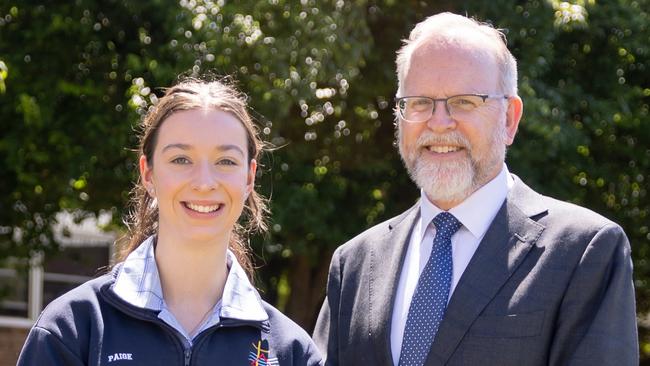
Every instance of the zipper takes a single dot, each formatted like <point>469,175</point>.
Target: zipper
<point>188,356</point>
<point>227,323</point>
<point>186,346</point>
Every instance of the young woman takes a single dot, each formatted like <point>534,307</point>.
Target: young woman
<point>181,295</point>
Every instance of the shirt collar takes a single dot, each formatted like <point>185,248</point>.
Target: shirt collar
<point>240,300</point>
<point>138,283</point>
<point>477,211</point>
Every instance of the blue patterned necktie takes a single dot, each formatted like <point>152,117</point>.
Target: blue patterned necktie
<point>431,294</point>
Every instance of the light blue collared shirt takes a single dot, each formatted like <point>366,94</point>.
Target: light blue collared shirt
<point>138,283</point>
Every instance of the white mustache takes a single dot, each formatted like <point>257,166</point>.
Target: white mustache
<point>452,138</point>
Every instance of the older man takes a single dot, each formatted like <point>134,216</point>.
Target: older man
<point>482,270</point>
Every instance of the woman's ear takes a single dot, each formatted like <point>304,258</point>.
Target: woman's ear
<point>146,174</point>
<point>250,179</point>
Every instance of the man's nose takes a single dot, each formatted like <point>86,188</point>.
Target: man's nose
<point>440,119</point>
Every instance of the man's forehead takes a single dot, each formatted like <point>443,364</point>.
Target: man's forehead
<point>450,66</point>
<point>453,52</point>
<point>468,40</point>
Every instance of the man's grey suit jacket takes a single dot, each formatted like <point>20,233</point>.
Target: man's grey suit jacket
<point>550,284</point>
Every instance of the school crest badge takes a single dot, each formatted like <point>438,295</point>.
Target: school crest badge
<point>260,354</point>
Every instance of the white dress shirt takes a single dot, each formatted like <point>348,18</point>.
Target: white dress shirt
<point>476,214</point>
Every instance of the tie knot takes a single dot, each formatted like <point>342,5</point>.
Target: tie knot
<point>446,224</point>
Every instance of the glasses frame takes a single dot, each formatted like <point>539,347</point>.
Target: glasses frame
<point>484,97</point>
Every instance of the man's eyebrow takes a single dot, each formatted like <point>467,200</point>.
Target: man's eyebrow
<point>221,148</point>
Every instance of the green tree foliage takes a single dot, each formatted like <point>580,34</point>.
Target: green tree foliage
<point>74,78</point>
<point>65,121</point>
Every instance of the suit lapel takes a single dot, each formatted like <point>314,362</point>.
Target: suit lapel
<point>387,256</point>
<point>504,246</point>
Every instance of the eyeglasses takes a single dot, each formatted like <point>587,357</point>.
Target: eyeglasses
<point>420,109</point>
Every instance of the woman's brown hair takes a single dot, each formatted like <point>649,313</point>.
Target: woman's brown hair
<point>189,94</point>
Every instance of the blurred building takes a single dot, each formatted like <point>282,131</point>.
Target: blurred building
<point>27,287</point>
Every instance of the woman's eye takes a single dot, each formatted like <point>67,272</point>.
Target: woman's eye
<point>181,160</point>
<point>226,162</point>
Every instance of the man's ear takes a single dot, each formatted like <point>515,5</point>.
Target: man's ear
<point>146,174</point>
<point>513,116</point>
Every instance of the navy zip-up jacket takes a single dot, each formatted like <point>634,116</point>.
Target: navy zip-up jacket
<point>91,325</point>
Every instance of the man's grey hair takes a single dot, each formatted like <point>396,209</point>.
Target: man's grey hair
<point>438,27</point>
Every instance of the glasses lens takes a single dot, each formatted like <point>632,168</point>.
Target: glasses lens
<point>416,109</point>
<point>462,104</point>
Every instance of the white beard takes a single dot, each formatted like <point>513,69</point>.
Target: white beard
<point>453,181</point>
